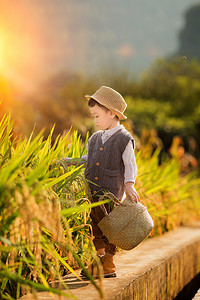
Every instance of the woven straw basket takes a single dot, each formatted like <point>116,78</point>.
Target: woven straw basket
<point>127,225</point>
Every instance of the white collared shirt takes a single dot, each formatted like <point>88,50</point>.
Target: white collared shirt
<point>128,156</point>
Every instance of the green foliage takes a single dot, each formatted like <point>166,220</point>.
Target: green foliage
<point>168,100</point>
<point>172,200</point>
<point>148,113</point>
<point>39,239</point>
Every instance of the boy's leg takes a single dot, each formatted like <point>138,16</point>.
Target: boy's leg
<point>100,241</point>
<point>105,250</point>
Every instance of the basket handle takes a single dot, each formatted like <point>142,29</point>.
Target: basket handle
<point>112,198</point>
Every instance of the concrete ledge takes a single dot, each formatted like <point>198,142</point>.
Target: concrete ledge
<point>159,268</point>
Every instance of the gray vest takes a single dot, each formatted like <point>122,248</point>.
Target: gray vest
<point>105,167</point>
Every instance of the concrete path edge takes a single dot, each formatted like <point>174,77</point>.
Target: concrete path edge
<point>159,268</point>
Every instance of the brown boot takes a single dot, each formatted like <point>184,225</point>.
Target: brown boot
<point>107,262</point>
<point>93,269</point>
<point>109,268</point>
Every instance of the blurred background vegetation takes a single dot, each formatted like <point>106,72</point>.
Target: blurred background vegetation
<point>166,99</point>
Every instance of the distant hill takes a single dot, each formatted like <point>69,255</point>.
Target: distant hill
<point>48,36</point>
<point>190,34</point>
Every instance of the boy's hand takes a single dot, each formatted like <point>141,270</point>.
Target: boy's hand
<point>68,161</point>
<point>131,192</point>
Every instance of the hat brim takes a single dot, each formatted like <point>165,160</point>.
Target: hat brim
<point>115,111</point>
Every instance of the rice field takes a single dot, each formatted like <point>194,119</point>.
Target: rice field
<point>44,208</point>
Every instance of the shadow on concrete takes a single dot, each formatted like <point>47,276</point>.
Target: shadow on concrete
<point>71,281</point>
<point>190,289</point>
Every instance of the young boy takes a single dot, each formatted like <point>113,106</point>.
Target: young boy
<point>110,166</point>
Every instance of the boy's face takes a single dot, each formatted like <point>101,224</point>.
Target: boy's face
<point>103,119</point>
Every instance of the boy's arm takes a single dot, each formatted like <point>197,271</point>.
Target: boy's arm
<point>130,172</point>
<point>68,161</point>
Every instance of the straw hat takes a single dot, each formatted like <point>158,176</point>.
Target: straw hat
<point>111,99</point>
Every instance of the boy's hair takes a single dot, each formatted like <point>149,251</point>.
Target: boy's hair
<point>92,103</point>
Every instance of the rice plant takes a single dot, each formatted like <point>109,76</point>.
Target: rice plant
<point>171,199</point>
<point>44,208</point>
<point>36,239</point>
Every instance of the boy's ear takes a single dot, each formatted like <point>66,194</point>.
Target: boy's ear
<point>112,114</point>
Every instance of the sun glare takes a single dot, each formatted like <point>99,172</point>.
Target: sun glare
<point>2,51</point>
<point>17,58</point>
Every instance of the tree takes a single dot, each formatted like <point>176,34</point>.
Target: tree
<point>189,36</point>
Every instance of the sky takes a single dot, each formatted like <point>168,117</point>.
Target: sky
<point>41,37</point>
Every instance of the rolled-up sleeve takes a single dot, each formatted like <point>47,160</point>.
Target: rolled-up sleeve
<point>84,158</point>
<point>129,160</point>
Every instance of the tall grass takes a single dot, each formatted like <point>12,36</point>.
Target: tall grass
<point>38,243</point>
<point>171,199</point>
<point>44,210</point>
